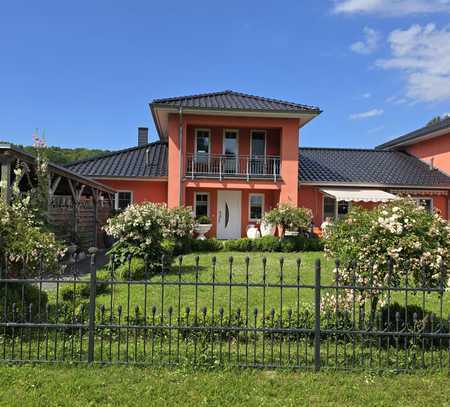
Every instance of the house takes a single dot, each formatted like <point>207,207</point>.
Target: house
<point>430,143</point>
<point>233,156</point>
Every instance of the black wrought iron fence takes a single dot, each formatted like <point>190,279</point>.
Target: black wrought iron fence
<point>251,313</point>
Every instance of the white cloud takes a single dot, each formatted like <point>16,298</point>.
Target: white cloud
<point>365,115</point>
<point>369,44</point>
<point>391,7</point>
<point>422,54</point>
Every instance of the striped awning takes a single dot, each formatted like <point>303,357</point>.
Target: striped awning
<point>358,195</point>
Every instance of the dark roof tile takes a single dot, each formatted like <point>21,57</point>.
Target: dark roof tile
<point>126,163</point>
<point>231,100</point>
<point>334,165</point>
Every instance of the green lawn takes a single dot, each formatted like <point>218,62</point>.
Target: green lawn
<point>127,386</point>
<point>203,295</point>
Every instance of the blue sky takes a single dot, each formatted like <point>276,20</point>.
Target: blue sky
<point>85,71</point>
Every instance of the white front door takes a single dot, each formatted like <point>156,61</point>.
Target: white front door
<point>228,214</point>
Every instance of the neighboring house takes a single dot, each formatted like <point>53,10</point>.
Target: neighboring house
<point>233,156</point>
<point>430,143</point>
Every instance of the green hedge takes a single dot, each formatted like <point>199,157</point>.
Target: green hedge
<point>263,244</point>
<point>273,244</point>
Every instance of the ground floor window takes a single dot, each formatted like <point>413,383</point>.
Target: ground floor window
<point>334,209</point>
<point>201,204</point>
<point>427,203</point>
<point>123,199</point>
<point>256,207</point>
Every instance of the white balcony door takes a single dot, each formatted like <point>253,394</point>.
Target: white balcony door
<point>228,214</point>
<point>230,151</point>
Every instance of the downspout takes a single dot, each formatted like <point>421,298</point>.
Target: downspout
<point>180,152</point>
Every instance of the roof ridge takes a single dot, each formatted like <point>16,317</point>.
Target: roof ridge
<point>345,149</point>
<point>112,153</point>
<point>235,93</point>
<point>194,96</point>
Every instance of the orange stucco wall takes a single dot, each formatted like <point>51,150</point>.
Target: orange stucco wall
<point>311,197</point>
<point>437,148</point>
<point>270,200</point>
<point>282,140</point>
<point>272,141</point>
<point>145,190</point>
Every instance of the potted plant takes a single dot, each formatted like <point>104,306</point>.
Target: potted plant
<point>202,226</point>
<point>288,217</point>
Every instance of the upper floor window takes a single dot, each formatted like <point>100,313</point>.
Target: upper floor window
<point>123,199</point>
<point>202,141</point>
<point>258,143</point>
<point>230,142</point>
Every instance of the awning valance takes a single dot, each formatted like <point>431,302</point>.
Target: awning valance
<point>358,195</point>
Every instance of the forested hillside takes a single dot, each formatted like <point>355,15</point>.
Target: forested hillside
<point>64,156</point>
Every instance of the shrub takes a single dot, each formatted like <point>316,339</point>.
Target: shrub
<point>83,290</point>
<point>202,220</point>
<point>414,241</point>
<point>267,244</point>
<point>239,245</point>
<point>22,295</point>
<point>24,241</point>
<point>272,244</point>
<point>189,245</point>
<point>131,270</point>
<point>289,217</point>
<point>149,229</point>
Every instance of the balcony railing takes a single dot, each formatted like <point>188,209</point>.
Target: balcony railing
<point>227,166</point>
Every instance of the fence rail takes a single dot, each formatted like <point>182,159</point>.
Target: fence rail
<point>251,313</point>
<point>230,166</point>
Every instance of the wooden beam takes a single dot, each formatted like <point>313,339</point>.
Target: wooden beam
<point>54,185</point>
<point>6,161</point>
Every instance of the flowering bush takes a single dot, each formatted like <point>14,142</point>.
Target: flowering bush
<point>149,230</point>
<point>24,242</point>
<point>415,241</point>
<point>289,217</point>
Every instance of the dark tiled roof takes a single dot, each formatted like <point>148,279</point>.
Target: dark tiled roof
<point>328,165</point>
<point>230,100</point>
<point>126,163</point>
<point>317,165</point>
<point>410,137</point>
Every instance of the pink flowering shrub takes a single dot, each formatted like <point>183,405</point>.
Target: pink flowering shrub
<point>415,241</point>
<point>149,230</point>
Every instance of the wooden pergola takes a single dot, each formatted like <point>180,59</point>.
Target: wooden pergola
<point>70,195</point>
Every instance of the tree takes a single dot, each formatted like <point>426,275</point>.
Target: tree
<point>437,120</point>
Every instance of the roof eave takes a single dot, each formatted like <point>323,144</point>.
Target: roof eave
<point>305,114</point>
<point>423,134</point>
<point>371,185</point>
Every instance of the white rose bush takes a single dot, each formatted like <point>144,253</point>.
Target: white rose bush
<point>149,230</point>
<point>393,243</point>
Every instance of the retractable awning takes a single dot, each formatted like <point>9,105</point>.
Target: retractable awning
<point>358,195</point>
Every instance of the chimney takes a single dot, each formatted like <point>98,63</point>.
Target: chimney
<point>432,164</point>
<point>142,136</point>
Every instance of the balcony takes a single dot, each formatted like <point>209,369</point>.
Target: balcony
<point>232,167</point>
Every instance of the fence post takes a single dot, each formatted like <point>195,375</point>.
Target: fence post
<point>91,326</point>
<point>317,290</point>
